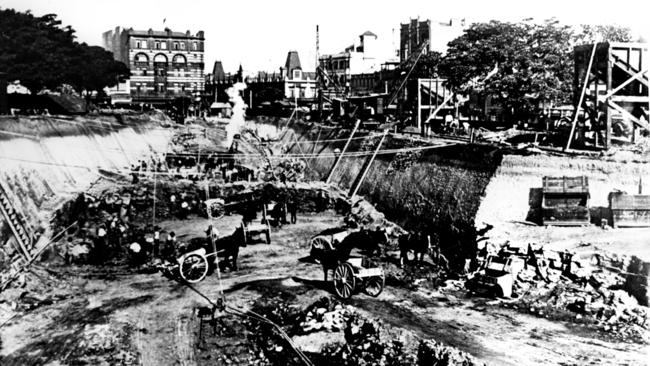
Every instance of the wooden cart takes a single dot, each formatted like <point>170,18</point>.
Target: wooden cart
<point>354,274</point>
<point>251,230</point>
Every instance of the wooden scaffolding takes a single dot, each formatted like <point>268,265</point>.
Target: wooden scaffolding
<point>611,86</point>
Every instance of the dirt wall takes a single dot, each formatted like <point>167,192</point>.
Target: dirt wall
<point>438,191</point>
<point>45,160</point>
<point>514,192</point>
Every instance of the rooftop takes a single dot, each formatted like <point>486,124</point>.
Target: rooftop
<point>165,33</point>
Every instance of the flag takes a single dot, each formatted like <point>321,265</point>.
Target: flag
<point>164,20</point>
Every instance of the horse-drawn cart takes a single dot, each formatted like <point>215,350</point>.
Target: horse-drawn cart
<point>355,273</point>
<point>250,230</point>
<point>351,273</point>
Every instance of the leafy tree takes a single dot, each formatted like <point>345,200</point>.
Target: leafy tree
<point>528,63</point>
<point>611,33</point>
<point>41,53</point>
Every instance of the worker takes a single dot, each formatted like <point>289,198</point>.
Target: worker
<point>211,233</point>
<point>171,244</point>
<point>156,241</point>
<point>185,209</point>
<point>292,206</point>
<point>172,204</point>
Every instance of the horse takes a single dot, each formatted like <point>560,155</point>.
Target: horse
<point>367,241</point>
<point>370,242</point>
<point>227,247</point>
<point>420,245</point>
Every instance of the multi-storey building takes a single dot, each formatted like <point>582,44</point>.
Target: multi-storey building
<point>290,83</point>
<point>414,33</point>
<point>164,64</point>
<point>356,59</point>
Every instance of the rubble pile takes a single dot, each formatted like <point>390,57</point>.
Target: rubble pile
<point>344,337</point>
<point>325,315</point>
<point>413,277</point>
<point>365,215</point>
<point>583,294</point>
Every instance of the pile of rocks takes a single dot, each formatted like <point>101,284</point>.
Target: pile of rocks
<point>586,294</point>
<point>326,316</point>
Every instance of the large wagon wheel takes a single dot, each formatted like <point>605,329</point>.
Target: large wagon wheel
<point>344,280</point>
<point>320,245</point>
<point>374,285</point>
<point>194,268</point>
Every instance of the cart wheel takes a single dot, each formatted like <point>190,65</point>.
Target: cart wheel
<point>319,246</point>
<point>194,268</point>
<point>374,285</point>
<point>344,280</point>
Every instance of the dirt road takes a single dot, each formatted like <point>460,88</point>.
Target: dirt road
<point>115,316</point>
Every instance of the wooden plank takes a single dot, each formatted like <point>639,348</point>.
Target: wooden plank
<point>617,62</point>
<point>345,148</point>
<point>630,99</point>
<point>355,188</point>
<point>629,115</point>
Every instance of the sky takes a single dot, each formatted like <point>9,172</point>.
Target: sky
<point>258,33</point>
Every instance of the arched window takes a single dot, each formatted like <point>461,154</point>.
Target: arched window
<point>160,58</point>
<point>141,59</point>
<point>179,60</point>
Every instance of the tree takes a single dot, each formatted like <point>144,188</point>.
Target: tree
<point>608,33</point>
<point>42,54</point>
<point>529,63</point>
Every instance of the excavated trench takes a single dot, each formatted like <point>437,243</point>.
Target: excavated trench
<point>436,191</point>
<point>47,160</point>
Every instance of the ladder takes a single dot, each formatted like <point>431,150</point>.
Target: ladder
<point>16,223</point>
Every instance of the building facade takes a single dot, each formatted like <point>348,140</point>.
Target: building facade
<point>291,83</point>
<point>164,64</point>
<point>414,33</point>
<point>363,58</point>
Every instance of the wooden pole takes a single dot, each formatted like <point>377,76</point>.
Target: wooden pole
<point>418,109</point>
<point>355,189</point>
<point>338,158</point>
<point>582,96</point>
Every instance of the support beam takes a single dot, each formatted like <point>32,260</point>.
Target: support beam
<point>582,97</point>
<point>435,112</point>
<point>636,76</point>
<point>355,187</point>
<point>627,69</point>
<point>627,114</point>
<point>345,148</point>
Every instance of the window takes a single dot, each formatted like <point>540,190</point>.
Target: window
<point>297,74</point>
<point>195,46</point>
<point>176,46</point>
<point>137,44</point>
<point>182,45</point>
<point>163,45</point>
<point>143,44</point>
<point>144,72</point>
<point>179,59</point>
<point>157,45</point>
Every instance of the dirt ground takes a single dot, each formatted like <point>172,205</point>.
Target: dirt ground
<point>111,315</point>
